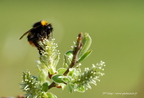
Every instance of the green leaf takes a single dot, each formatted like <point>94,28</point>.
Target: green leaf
<point>58,78</point>
<point>48,95</point>
<point>74,72</point>
<point>71,72</point>
<point>61,70</point>
<point>71,87</point>
<point>66,79</point>
<point>45,87</point>
<point>42,76</point>
<point>85,55</point>
<point>86,44</point>
<point>80,89</point>
<point>68,58</point>
<point>69,54</point>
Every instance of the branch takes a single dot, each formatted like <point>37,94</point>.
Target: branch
<point>75,53</point>
<point>74,59</point>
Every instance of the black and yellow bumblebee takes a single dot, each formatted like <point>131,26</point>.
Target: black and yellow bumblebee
<point>39,31</point>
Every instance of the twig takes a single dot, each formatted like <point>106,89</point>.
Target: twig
<point>53,84</point>
<point>74,59</point>
<point>75,53</point>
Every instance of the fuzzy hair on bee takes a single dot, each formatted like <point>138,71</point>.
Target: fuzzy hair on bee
<point>40,30</point>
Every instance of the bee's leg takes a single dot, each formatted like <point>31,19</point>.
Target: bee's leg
<point>44,34</point>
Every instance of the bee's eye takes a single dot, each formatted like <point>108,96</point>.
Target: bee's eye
<point>50,27</point>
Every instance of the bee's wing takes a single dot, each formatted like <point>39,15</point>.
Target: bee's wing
<point>26,33</point>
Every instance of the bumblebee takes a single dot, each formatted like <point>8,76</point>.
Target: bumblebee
<point>39,31</point>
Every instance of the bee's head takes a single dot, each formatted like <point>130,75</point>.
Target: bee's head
<point>49,27</point>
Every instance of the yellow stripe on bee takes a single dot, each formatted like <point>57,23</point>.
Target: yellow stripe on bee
<point>44,22</point>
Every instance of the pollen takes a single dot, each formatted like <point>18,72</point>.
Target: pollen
<point>44,22</point>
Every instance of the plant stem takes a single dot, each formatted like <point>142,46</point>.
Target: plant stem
<point>75,53</point>
<point>53,84</point>
<point>74,59</point>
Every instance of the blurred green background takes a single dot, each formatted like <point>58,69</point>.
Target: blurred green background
<point>117,30</point>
